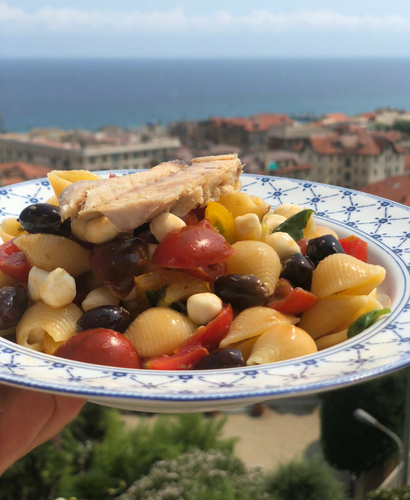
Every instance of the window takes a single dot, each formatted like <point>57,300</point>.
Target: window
<point>125,156</point>
<point>136,155</point>
<point>347,162</point>
<point>104,158</point>
<point>347,176</point>
<point>115,157</point>
<point>91,160</point>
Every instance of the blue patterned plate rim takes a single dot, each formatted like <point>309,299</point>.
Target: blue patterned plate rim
<point>383,348</point>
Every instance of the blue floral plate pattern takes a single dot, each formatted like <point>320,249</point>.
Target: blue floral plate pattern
<point>381,349</point>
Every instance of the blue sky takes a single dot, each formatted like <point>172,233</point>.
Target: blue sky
<point>224,28</point>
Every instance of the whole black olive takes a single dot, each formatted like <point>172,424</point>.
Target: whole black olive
<point>13,304</point>
<point>221,358</point>
<point>241,290</point>
<point>319,248</point>
<point>298,269</point>
<point>43,218</point>
<point>112,317</point>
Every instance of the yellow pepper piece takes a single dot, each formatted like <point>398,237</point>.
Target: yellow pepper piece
<point>221,219</point>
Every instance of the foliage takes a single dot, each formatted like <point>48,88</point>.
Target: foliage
<point>305,479</point>
<point>199,475</point>
<point>402,493</point>
<point>352,445</point>
<point>95,457</point>
<point>402,126</point>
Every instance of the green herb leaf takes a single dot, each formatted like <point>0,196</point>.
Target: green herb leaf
<point>154,296</point>
<point>364,321</point>
<point>295,224</point>
<point>178,306</point>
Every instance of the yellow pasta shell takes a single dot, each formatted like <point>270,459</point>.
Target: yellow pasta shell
<point>339,272</point>
<point>10,228</point>
<point>331,339</point>
<point>159,330</point>
<point>258,258</point>
<point>242,203</point>
<point>48,252</point>
<point>328,313</point>
<point>246,347</point>
<point>253,322</point>
<point>371,305</point>
<point>60,179</point>
<point>59,324</point>
<point>280,343</point>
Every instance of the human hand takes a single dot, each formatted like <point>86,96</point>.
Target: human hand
<point>30,418</point>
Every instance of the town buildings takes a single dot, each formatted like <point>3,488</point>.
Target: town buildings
<point>109,149</point>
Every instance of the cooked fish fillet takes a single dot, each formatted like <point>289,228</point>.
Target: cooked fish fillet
<point>82,196</point>
<point>180,191</point>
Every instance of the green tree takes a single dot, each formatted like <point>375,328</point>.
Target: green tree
<point>306,479</point>
<point>352,445</point>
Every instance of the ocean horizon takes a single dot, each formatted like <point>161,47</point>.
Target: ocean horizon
<point>89,93</point>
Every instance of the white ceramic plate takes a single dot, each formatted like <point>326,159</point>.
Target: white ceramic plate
<point>381,349</point>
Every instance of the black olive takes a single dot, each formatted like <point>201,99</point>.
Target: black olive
<point>319,248</point>
<point>298,269</point>
<point>241,290</point>
<point>112,317</point>
<point>221,358</point>
<point>13,304</point>
<point>43,218</point>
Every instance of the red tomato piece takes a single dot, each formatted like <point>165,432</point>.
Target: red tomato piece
<point>298,301</point>
<point>303,244</point>
<point>207,273</point>
<point>13,262</point>
<point>191,247</point>
<point>183,359</point>
<point>210,335</point>
<point>190,218</point>
<point>100,346</point>
<point>354,246</point>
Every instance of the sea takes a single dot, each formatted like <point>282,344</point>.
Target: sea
<point>89,93</point>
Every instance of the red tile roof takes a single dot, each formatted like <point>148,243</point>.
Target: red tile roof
<point>257,123</point>
<point>13,172</point>
<point>350,140</point>
<point>396,188</point>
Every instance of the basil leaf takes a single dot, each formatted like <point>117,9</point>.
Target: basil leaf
<point>154,296</point>
<point>178,306</point>
<point>295,224</point>
<point>364,321</point>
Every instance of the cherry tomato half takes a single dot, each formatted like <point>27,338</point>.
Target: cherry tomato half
<point>210,335</point>
<point>183,359</point>
<point>289,300</point>
<point>13,262</point>
<point>354,246</point>
<point>100,346</point>
<point>191,247</point>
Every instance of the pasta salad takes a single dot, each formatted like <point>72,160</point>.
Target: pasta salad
<point>230,282</point>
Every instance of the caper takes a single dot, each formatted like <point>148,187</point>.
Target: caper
<point>241,290</point>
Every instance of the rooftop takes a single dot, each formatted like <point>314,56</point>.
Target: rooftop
<point>260,122</point>
<point>396,188</point>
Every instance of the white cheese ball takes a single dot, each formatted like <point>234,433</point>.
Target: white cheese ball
<point>58,288</point>
<point>163,224</point>
<point>247,227</point>
<point>203,307</point>
<point>100,230</point>
<point>283,244</point>
<point>36,276</point>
